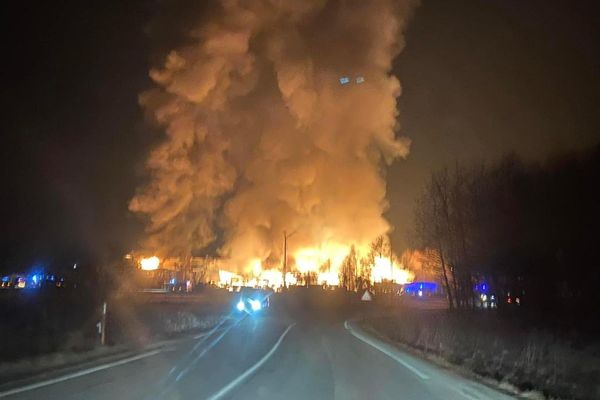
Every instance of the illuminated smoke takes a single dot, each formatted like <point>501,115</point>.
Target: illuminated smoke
<point>261,137</point>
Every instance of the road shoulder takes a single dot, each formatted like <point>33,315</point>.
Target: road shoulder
<point>435,368</point>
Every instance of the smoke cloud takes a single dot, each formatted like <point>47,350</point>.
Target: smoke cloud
<point>261,136</point>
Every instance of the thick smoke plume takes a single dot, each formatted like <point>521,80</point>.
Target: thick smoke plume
<point>262,137</point>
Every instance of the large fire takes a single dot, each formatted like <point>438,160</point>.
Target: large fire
<point>262,278</point>
<point>324,264</point>
<point>261,136</point>
<point>150,263</point>
<point>328,278</point>
<point>384,269</point>
<point>312,259</point>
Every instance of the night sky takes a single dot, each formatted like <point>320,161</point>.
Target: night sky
<point>480,78</point>
<point>484,78</point>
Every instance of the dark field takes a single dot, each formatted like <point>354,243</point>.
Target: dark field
<point>38,322</point>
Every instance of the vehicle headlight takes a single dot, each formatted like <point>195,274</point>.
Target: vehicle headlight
<point>255,304</point>
<point>240,305</point>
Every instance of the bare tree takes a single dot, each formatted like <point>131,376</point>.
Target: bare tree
<point>516,226</point>
<point>364,274</point>
<point>380,246</point>
<point>432,228</point>
<point>348,270</point>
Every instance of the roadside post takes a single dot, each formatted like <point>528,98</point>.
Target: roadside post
<point>103,325</point>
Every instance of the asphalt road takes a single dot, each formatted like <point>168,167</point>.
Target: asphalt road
<point>292,351</point>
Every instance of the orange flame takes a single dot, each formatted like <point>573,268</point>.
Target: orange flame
<point>324,262</point>
<point>150,263</point>
<point>385,270</point>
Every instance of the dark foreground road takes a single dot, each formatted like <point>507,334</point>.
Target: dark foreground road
<point>295,350</point>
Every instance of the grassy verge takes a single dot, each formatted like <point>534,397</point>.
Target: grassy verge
<point>49,331</point>
<point>498,349</point>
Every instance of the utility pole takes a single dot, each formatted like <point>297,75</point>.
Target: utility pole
<point>391,262</point>
<point>392,287</point>
<point>285,238</point>
<point>284,258</point>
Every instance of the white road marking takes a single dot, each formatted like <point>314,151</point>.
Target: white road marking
<point>78,373</point>
<point>385,351</point>
<point>468,394</point>
<point>231,385</point>
<point>212,344</point>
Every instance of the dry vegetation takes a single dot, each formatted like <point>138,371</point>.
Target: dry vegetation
<point>51,329</point>
<point>560,367</point>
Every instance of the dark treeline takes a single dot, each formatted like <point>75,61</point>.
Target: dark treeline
<point>526,228</point>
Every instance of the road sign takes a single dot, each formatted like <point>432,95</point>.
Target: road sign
<point>366,296</point>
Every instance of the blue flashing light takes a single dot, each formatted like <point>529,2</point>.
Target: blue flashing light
<point>424,286</point>
<point>344,80</point>
<point>482,287</point>
<point>5,278</point>
<point>240,305</point>
<point>34,278</point>
<point>172,281</point>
